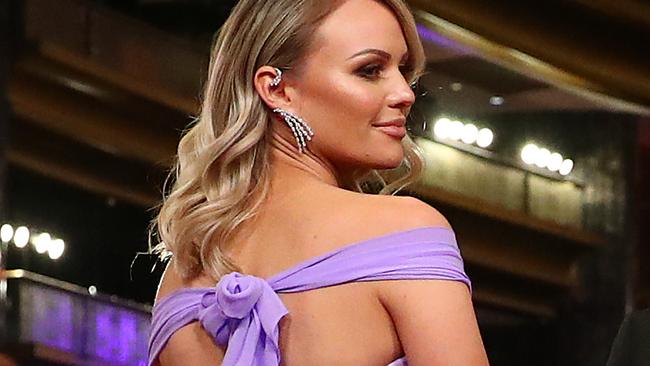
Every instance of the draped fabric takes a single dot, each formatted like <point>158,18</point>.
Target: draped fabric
<point>242,312</point>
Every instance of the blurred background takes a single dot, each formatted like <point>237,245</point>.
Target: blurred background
<point>534,118</point>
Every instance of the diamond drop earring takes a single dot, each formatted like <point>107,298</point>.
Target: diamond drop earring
<point>301,130</point>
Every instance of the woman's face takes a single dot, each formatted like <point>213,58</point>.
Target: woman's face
<point>351,83</point>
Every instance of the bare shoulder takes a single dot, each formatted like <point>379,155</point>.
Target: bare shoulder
<point>441,304</point>
<point>407,212</point>
<point>171,281</point>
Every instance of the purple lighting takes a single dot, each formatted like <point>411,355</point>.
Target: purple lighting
<point>96,330</point>
<point>434,37</point>
<point>120,335</point>
<point>50,315</point>
<point>128,335</point>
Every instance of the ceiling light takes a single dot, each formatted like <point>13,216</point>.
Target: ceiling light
<point>496,100</point>
<point>470,134</point>
<point>441,128</point>
<point>529,153</point>
<point>555,162</point>
<point>542,158</point>
<point>42,242</point>
<point>456,130</point>
<point>6,233</point>
<point>21,236</point>
<point>567,167</point>
<point>485,137</point>
<point>56,248</point>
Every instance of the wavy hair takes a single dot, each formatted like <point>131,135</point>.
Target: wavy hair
<point>221,174</point>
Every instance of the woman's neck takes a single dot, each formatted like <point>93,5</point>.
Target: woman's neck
<point>291,167</point>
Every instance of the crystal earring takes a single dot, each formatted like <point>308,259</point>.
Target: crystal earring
<point>301,130</point>
<point>278,77</point>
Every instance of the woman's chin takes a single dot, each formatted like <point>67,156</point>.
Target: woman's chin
<point>395,155</point>
<point>390,161</point>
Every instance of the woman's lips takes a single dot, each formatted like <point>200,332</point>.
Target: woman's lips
<point>397,132</point>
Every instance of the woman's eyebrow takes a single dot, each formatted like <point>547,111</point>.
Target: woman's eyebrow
<point>378,52</point>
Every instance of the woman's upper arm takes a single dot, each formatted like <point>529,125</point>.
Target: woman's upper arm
<point>434,319</point>
<point>191,344</point>
<point>435,322</point>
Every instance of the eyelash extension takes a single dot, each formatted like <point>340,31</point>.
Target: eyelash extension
<point>369,71</point>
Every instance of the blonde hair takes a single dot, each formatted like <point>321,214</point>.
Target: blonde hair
<point>222,170</point>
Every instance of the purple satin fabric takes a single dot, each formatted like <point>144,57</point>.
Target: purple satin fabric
<point>242,312</point>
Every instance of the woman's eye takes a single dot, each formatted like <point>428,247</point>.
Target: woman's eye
<point>374,71</point>
<point>370,71</point>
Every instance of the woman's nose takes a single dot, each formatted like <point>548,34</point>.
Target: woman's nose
<point>401,95</point>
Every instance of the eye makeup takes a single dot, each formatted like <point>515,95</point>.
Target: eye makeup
<point>374,70</point>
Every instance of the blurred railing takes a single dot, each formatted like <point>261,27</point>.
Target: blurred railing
<point>50,321</point>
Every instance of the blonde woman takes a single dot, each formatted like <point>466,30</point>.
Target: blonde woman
<point>278,257</point>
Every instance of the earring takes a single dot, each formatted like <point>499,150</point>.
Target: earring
<point>278,77</point>
<point>301,130</point>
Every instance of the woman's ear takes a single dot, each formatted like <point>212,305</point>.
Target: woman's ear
<point>274,96</point>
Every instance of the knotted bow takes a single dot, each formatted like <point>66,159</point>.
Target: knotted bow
<point>243,312</point>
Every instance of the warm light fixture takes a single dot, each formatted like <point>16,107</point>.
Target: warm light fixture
<point>455,130</point>
<point>41,242</point>
<point>555,162</point>
<point>567,167</point>
<point>470,134</point>
<point>21,236</point>
<point>6,233</point>
<point>485,138</point>
<point>56,248</point>
<point>441,128</point>
<point>542,157</point>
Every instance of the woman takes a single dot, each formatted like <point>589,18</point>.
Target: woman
<point>278,255</point>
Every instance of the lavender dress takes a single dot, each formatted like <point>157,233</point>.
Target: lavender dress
<point>242,312</point>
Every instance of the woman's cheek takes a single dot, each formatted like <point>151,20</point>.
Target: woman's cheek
<point>362,103</point>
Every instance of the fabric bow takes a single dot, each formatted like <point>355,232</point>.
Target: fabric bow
<point>243,314</point>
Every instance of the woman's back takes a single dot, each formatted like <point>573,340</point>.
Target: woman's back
<point>346,324</point>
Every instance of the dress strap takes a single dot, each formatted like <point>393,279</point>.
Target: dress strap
<point>423,253</point>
